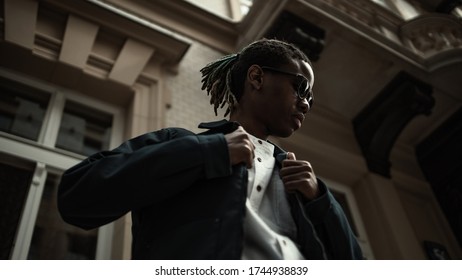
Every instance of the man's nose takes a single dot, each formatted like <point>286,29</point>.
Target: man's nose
<point>303,106</point>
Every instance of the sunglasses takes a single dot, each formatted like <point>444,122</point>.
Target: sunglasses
<point>303,85</point>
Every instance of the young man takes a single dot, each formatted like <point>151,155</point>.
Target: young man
<point>226,193</point>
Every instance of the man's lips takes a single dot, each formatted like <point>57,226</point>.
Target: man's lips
<point>300,117</point>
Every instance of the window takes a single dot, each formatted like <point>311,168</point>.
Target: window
<point>346,198</point>
<point>84,130</point>
<point>45,130</point>
<point>22,109</point>
<point>52,238</point>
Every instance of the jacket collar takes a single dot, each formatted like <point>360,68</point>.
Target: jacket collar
<point>225,126</point>
<point>216,124</point>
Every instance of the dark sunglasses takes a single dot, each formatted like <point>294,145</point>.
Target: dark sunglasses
<point>303,85</point>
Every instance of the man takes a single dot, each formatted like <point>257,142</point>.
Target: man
<point>226,193</point>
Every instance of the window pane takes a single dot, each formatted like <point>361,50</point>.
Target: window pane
<point>84,130</point>
<point>22,109</point>
<point>53,239</point>
<point>14,185</point>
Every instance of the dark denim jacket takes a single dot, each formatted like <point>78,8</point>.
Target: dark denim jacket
<point>187,201</point>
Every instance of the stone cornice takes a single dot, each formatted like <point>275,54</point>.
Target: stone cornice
<point>409,40</point>
<point>383,27</point>
<point>435,38</point>
<point>169,45</point>
<point>187,19</point>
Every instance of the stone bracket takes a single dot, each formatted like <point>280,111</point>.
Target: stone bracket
<point>379,124</point>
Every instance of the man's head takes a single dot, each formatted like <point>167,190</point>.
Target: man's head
<point>255,76</point>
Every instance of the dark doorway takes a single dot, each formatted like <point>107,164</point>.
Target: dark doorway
<point>440,157</point>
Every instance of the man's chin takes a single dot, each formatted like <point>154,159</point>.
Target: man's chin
<point>286,133</point>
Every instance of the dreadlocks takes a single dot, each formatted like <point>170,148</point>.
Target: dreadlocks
<point>216,78</point>
<point>224,78</point>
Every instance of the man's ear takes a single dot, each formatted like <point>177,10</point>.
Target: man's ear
<point>255,76</point>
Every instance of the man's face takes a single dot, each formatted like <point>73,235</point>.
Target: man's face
<point>282,111</point>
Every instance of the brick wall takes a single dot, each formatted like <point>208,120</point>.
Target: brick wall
<point>190,105</point>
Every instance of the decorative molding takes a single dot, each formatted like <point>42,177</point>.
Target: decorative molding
<point>433,35</point>
<point>429,41</point>
<point>46,46</point>
<point>130,62</point>
<point>97,63</point>
<point>78,40</point>
<point>169,45</point>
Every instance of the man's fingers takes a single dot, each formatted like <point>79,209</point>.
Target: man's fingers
<point>295,177</point>
<point>241,148</point>
<point>251,155</point>
<point>298,175</point>
<point>290,160</point>
<point>290,166</point>
<point>291,156</point>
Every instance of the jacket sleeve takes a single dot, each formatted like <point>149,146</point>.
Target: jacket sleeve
<point>142,171</point>
<point>332,227</point>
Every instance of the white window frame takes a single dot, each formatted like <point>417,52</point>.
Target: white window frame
<point>356,215</point>
<point>50,159</point>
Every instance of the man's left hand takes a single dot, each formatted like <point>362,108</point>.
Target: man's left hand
<point>298,175</point>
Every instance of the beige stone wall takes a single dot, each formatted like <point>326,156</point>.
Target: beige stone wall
<point>189,104</point>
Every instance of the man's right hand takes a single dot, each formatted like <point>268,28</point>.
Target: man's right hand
<point>241,149</point>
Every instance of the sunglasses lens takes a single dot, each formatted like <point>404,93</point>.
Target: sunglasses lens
<point>303,89</point>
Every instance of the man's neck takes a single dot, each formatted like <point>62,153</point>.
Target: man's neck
<point>251,126</point>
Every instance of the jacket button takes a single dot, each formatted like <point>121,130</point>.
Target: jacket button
<point>259,188</point>
<point>259,159</point>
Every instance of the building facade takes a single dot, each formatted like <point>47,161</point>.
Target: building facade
<point>79,76</point>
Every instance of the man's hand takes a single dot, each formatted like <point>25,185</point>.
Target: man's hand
<point>298,175</point>
<point>241,149</point>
